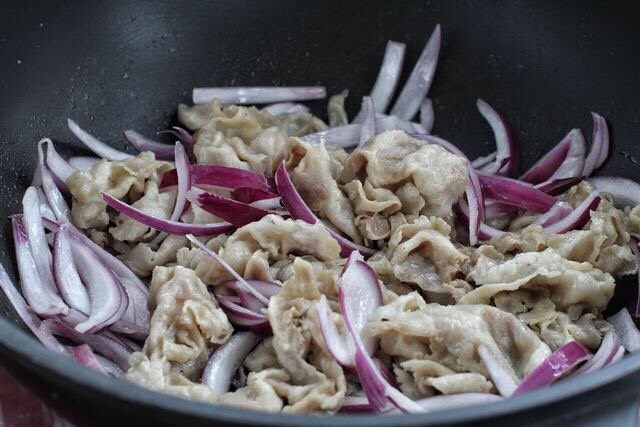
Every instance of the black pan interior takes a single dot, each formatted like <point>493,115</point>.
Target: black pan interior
<point>120,64</point>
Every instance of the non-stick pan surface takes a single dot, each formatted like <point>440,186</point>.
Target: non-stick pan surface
<point>122,64</point>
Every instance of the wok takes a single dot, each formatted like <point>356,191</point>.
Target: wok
<point>121,64</point>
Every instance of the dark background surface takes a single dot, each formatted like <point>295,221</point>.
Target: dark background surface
<point>119,64</point>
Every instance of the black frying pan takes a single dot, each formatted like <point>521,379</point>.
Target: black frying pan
<point>119,64</point>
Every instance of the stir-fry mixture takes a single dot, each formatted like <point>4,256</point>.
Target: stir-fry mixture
<point>271,262</point>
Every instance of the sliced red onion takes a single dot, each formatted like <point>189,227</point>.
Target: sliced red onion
<point>100,342</point>
<point>184,136</point>
<point>225,361</point>
<point>500,377</point>
<point>267,289</point>
<point>45,209</point>
<point>596,145</point>
<point>507,152</point>
<point>341,136</point>
<point>553,367</point>
<point>485,232</point>
<point>609,348</point>
<point>427,116</point>
<point>359,294</point>
<point>557,212</point>
<point>184,185</point>
<point>231,307</point>
<point>32,250</point>
<point>241,281</point>
<point>384,123</point>
<point>557,186</point>
<point>251,195</point>
<point>515,193</point>
<point>573,164</point>
<point>493,209</point>
<point>473,190</point>
<point>142,143</point>
<point>58,166</point>
<point>576,219</point>
<point>109,367</point>
<point>171,227</point>
<point>284,108</point>
<point>484,161</point>
<point>55,198</point>
<point>625,192</point>
<point>217,176</point>
<point>368,126</point>
<point>108,298</point>
<point>546,166</point>
<point>601,133</point>
<point>419,82</point>
<point>360,298</point>
<point>340,346</point>
<point>85,356</point>
<point>232,211</point>
<point>95,145</point>
<point>257,95</point>
<point>65,274</point>
<point>82,163</point>
<point>25,313</point>
<point>137,291</point>
<point>388,76</point>
<point>298,209</point>
<point>626,329</point>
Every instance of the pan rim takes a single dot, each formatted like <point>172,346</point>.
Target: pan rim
<point>24,350</point>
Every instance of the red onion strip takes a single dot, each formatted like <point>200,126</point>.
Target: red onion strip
<point>257,95</point>
<point>625,192</point>
<point>108,298</point>
<point>51,188</point>
<point>340,346</point>
<point>241,281</point>
<point>419,82</point>
<point>388,76</point>
<point>553,367</point>
<point>100,342</point>
<point>573,164</point>
<point>142,143</point>
<point>480,162</point>
<point>298,209</point>
<point>171,227</point>
<point>507,153</point>
<point>550,162</point>
<point>226,359</point>
<point>35,250</point>
<point>66,275</point>
<point>368,126</point>
<point>500,377</point>
<point>427,116</point>
<point>515,193</point>
<point>608,349</point>
<point>285,108</point>
<point>82,163</point>
<point>576,219</point>
<point>557,186</point>
<point>25,313</point>
<point>601,132</point>
<point>231,211</point>
<point>221,177</point>
<point>626,329</point>
<point>557,212</point>
<point>85,356</point>
<point>59,166</point>
<point>184,185</point>
<point>95,145</point>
